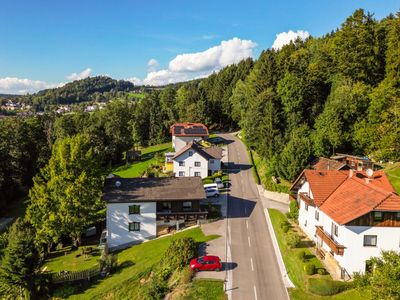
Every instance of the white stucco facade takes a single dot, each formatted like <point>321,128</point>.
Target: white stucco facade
<point>355,253</point>
<point>178,142</point>
<point>189,165</point>
<point>118,219</point>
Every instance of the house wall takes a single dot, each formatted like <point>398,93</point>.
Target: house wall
<point>189,167</point>
<point>178,142</point>
<point>118,219</point>
<point>215,166</point>
<point>352,237</point>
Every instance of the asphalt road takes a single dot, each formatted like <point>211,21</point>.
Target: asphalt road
<point>255,273</point>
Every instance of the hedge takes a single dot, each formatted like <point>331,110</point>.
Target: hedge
<point>327,287</point>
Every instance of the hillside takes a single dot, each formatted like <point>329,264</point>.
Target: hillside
<point>88,89</point>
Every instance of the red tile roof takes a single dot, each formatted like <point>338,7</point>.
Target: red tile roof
<point>189,129</point>
<point>323,163</point>
<point>347,195</point>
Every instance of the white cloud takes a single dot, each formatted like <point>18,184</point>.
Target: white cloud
<point>285,38</point>
<point>189,66</point>
<point>13,85</point>
<point>152,65</point>
<point>21,86</point>
<point>82,75</point>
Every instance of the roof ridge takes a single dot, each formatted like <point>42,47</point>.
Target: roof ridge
<point>372,186</point>
<point>383,200</point>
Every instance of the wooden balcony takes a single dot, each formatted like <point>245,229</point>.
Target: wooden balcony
<point>183,215</point>
<point>327,239</point>
<point>306,199</point>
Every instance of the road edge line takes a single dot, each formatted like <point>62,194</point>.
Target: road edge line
<point>278,254</point>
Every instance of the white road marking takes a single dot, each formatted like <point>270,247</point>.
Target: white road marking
<point>248,238</point>
<point>247,224</point>
<point>252,266</point>
<point>255,292</point>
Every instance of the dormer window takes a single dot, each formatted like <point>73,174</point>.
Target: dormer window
<point>190,153</point>
<point>378,216</point>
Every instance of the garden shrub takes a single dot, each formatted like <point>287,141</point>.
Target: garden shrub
<point>154,289</point>
<point>293,240</point>
<point>301,255</point>
<point>309,269</point>
<point>293,210</point>
<point>322,271</point>
<point>179,253</point>
<point>285,228</point>
<point>327,287</point>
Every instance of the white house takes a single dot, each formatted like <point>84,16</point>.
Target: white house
<point>184,133</point>
<point>350,216</point>
<point>140,209</point>
<point>195,160</point>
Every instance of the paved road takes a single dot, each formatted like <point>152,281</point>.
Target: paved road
<point>255,273</point>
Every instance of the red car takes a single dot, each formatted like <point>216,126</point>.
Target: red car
<point>206,263</point>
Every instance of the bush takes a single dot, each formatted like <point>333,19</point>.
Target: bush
<point>301,255</point>
<point>322,271</point>
<point>285,228</point>
<point>155,288</point>
<point>293,211</point>
<point>309,269</point>
<point>179,253</point>
<point>327,287</point>
<point>293,240</point>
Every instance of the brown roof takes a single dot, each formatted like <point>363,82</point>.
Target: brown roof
<point>153,189</point>
<point>212,152</point>
<point>323,163</point>
<point>189,129</point>
<point>347,195</point>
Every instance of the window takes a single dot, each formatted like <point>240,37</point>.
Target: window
<point>187,205</point>
<point>181,173</point>
<point>317,215</point>
<point>305,223</point>
<point>378,215</point>
<point>211,161</point>
<point>166,205</point>
<point>181,163</point>
<point>306,206</point>
<point>370,240</point>
<point>334,229</point>
<point>198,174</point>
<point>398,216</point>
<point>134,209</point>
<point>190,153</point>
<point>134,226</point>
<point>197,164</point>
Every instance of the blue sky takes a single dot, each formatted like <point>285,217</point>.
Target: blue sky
<point>46,42</point>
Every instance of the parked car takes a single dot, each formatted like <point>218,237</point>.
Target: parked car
<point>211,192</point>
<point>206,263</point>
<point>210,185</point>
<point>219,183</point>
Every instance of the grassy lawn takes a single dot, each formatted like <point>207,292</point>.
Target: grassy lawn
<point>295,267</point>
<point>73,261</point>
<point>393,172</point>
<point>134,263</point>
<point>202,289</point>
<point>152,155</point>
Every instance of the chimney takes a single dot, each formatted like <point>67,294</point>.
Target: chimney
<point>351,173</point>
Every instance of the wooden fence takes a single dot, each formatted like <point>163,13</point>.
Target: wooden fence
<point>75,276</point>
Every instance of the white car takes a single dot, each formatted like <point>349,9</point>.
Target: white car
<point>211,192</point>
<point>219,183</point>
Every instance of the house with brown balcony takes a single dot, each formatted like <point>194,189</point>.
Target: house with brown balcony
<point>140,209</point>
<point>352,216</point>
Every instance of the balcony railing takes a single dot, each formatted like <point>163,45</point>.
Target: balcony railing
<point>306,199</point>
<point>327,239</point>
<point>182,215</point>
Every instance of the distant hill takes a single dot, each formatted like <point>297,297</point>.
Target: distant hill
<point>88,89</point>
<point>8,96</point>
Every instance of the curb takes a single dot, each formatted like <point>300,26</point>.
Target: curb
<point>285,276</point>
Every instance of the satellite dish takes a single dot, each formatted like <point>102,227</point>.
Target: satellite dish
<point>370,172</point>
<point>118,183</point>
